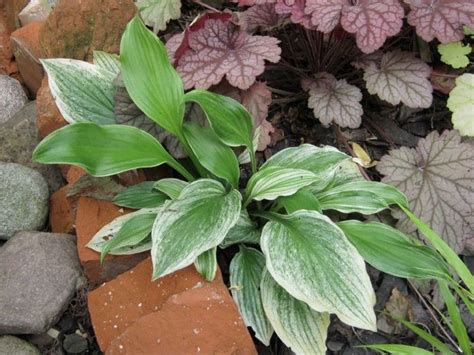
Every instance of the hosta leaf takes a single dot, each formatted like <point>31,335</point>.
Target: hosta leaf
<point>261,16</point>
<point>272,182</point>
<point>443,19</point>
<point>157,13</point>
<point>246,271</point>
<point>107,61</point>
<point>300,200</point>
<point>372,21</point>
<point>455,54</point>
<point>244,231</point>
<point>392,252</point>
<point>198,220</point>
<point>206,264</point>
<point>399,77</point>
<point>140,196</point>
<point>461,104</point>
<point>347,171</point>
<point>311,258</point>
<point>296,324</point>
<point>325,14</point>
<point>171,187</point>
<point>82,91</point>
<point>99,188</point>
<point>335,101</point>
<point>437,178</point>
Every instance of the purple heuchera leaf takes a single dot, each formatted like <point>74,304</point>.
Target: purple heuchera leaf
<point>398,77</point>
<point>334,100</point>
<point>443,19</point>
<point>295,8</point>
<point>263,16</point>
<point>325,14</point>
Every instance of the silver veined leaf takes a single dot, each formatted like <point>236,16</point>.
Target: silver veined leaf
<point>206,264</point>
<point>107,61</point>
<point>196,221</point>
<point>244,231</point>
<point>170,186</point>
<point>246,271</point>
<point>301,328</point>
<point>311,258</point>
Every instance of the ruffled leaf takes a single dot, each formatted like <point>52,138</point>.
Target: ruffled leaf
<point>261,16</point>
<point>325,14</point>
<point>461,103</point>
<point>455,54</point>
<point>157,13</point>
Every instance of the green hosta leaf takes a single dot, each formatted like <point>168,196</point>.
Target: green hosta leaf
<point>149,77</point>
<point>103,150</point>
<point>347,171</point>
<point>399,349</point>
<point>366,197</point>
<point>461,104</point>
<point>82,91</point>
<point>455,54</point>
<point>272,182</point>
<point>298,326</point>
<point>206,264</point>
<point>392,252</point>
<point>157,13</point>
<point>227,117</point>
<point>214,155</point>
<point>195,222</point>
<point>139,196</point>
<point>311,258</point>
<point>301,200</point>
<point>171,187</point>
<point>132,245</point>
<point>107,61</point>
<point>323,162</point>
<point>244,231</point>
<point>246,271</point>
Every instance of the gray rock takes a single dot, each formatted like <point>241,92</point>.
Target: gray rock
<point>36,10</point>
<point>12,97</point>
<point>15,346</point>
<point>39,274</point>
<point>19,137</point>
<point>24,199</point>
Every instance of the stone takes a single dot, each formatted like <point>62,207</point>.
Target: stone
<point>23,199</point>
<point>25,47</point>
<point>39,274</point>
<point>49,118</point>
<point>62,212</point>
<point>35,11</point>
<point>12,9</point>
<point>74,29</point>
<point>91,216</point>
<point>15,346</point>
<point>19,137</point>
<point>12,97</point>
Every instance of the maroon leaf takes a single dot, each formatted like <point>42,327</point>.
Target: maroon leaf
<point>398,77</point>
<point>295,8</point>
<point>443,19</point>
<point>372,21</point>
<point>335,101</point>
<point>263,16</point>
<point>325,14</point>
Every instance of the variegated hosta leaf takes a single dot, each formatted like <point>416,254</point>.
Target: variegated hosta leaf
<point>272,182</point>
<point>107,61</point>
<point>244,231</point>
<point>311,258</point>
<point>347,171</point>
<point>246,271</point>
<point>82,91</point>
<point>140,196</point>
<point>323,162</point>
<point>170,186</point>
<point>109,231</point>
<point>206,264</point>
<point>296,324</point>
<point>157,13</point>
<point>196,221</point>
<point>301,200</point>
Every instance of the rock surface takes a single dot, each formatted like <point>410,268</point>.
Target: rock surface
<point>12,97</point>
<point>19,137</point>
<point>39,274</point>
<point>10,345</point>
<point>23,199</point>
<point>49,118</point>
<point>36,10</point>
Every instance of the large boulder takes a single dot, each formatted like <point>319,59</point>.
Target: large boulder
<point>12,97</point>
<point>39,274</point>
<point>15,346</point>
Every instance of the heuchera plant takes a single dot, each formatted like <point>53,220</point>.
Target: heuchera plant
<point>295,266</point>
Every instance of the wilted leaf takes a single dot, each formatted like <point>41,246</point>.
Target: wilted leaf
<point>461,103</point>
<point>398,306</point>
<point>261,16</point>
<point>443,19</point>
<point>157,13</point>
<point>455,54</point>
<point>296,10</point>
<point>335,101</point>
<point>399,77</point>
<point>437,178</point>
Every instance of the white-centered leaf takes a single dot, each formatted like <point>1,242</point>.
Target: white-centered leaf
<point>82,91</point>
<point>246,271</point>
<point>301,328</point>
<point>107,61</point>
<point>195,222</point>
<point>206,264</point>
<point>244,231</point>
<point>170,186</point>
<point>157,13</point>
<point>311,258</point>
<point>461,104</point>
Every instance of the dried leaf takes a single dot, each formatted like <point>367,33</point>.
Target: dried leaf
<point>261,16</point>
<point>398,306</point>
<point>157,13</point>
<point>399,77</point>
<point>455,54</point>
<point>443,19</point>
<point>461,104</point>
<point>335,101</point>
<point>437,178</point>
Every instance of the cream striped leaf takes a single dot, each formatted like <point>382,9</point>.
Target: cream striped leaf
<point>206,264</point>
<point>246,271</point>
<point>272,182</point>
<point>244,231</point>
<point>107,61</point>
<point>82,91</point>
<point>296,324</point>
<point>311,258</point>
<point>170,186</point>
<point>196,221</point>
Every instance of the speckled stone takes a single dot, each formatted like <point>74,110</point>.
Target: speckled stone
<point>12,97</point>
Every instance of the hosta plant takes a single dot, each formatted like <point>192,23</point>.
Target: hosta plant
<point>296,266</point>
